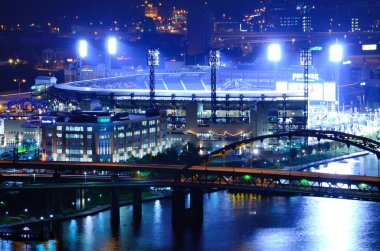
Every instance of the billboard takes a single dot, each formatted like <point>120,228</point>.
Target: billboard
<point>315,90</point>
<point>318,91</point>
<point>369,47</point>
<point>329,93</point>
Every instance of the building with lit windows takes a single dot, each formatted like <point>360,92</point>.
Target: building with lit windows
<point>101,137</point>
<point>151,11</point>
<point>14,131</point>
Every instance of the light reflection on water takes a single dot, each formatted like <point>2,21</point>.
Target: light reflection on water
<point>364,165</point>
<point>236,221</point>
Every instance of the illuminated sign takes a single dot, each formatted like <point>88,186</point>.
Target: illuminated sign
<point>329,93</point>
<point>282,86</point>
<point>48,121</point>
<point>315,90</point>
<point>316,48</point>
<point>369,47</point>
<point>299,76</point>
<point>104,120</point>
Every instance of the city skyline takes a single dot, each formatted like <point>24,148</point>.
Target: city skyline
<point>44,10</point>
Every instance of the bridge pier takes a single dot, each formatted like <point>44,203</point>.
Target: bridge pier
<point>80,200</point>
<point>53,202</point>
<point>193,214</point>
<point>178,206</point>
<point>56,176</point>
<point>196,205</point>
<point>137,204</point>
<point>115,206</point>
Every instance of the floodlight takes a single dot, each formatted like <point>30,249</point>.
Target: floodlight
<point>215,58</point>
<point>153,57</point>
<point>83,48</point>
<point>336,53</point>
<point>274,52</point>
<point>112,45</point>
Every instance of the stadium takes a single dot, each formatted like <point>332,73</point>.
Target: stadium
<point>249,102</point>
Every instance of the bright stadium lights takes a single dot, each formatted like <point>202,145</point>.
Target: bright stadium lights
<point>215,58</point>
<point>112,45</point>
<point>274,52</point>
<point>83,48</point>
<point>336,53</point>
<point>153,57</point>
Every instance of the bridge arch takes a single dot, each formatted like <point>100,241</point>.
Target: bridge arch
<point>349,139</point>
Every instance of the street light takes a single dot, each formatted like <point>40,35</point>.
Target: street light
<point>85,176</point>
<point>336,56</point>
<point>19,81</point>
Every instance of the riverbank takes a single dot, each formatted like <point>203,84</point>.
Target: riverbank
<point>92,211</point>
<point>325,161</point>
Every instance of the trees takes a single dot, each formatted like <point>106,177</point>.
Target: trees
<point>189,155</point>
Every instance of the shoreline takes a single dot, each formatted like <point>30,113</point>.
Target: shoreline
<point>92,211</point>
<point>101,208</point>
<point>321,162</point>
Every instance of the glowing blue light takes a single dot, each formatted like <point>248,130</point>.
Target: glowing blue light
<point>274,52</point>
<point>336,53</point>
<point>83,48</point>
<point>112,45</point>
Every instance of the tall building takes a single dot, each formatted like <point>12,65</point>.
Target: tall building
<point>199,31</point>
<point>289,15</point>
<point>151,11</point>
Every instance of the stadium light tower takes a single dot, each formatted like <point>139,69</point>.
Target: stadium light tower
<point>274,55</point>
<point>153,61</point>
<point>215,61</point>
<point>111,50</point>
<point>306,62</point>
<point>274,52</point>
<point>82,53</point>
<point>336,56</point>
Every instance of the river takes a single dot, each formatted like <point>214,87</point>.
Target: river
<point>234,221</point>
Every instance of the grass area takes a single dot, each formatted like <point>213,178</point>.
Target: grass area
<point>324,156</point>
<point>8,220</point>
<point>305,159</point>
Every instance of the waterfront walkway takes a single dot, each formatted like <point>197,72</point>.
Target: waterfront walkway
<point>92,211</point>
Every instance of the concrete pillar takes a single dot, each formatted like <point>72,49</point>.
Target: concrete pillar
<point>137,204</point>
<point>56,200</point>
<point>178,206</point>
<point>53,202</point>
<point>196,204</point>
<point>49,202</point>
<point>56,176</point>
<point>115,206</point>
<point>80,200</point>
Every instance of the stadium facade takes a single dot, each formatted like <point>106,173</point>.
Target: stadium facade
<point>250,102</point>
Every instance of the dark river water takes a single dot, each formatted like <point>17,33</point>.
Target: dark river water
<point>233,221</point>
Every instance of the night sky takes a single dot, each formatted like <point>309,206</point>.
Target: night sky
<point>31,10</point>
<point>43,10</point>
